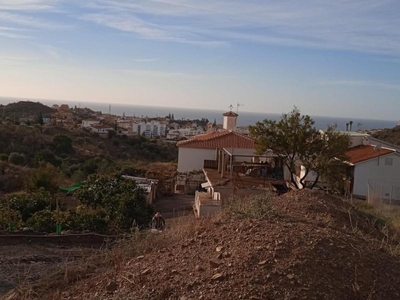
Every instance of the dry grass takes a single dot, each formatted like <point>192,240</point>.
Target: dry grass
<point>105,266</point>
<point>256,207</point>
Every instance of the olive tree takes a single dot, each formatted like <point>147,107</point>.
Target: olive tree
<point>295,139</point>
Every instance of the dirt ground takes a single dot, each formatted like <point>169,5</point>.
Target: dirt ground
<point>310,246</point>
<point>21,264</point>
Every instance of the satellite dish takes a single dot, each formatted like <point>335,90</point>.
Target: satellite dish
<point>377,148</point>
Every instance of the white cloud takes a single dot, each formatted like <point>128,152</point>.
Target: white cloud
<point>361,25</point>
<point>361,83</point>
<point>28,4</point>
<point>27,20</point>
<point>163,74</point>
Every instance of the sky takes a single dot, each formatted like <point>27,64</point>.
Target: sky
<point>328,58</point>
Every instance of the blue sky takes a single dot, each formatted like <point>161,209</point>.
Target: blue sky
<point>329,58</point>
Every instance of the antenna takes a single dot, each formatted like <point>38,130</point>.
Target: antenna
<point>237,107</point>
<point>231,107</point>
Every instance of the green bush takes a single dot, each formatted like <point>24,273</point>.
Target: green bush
<point>17,159</point>
<point>8,216</point>
<point>88,219</point>
<point>28,205</point>
<point>46,156</point>
<point>62,144</point>
<point>3,157</point>
<point>45,177</point>
<point>122,200</point>
<point>42,221</point>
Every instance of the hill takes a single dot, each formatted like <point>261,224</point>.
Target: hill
<point>302,245</point>
<point>24,109</point>
<point>389,135</point>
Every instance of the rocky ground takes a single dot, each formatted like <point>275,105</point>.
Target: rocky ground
<point>305,245</point>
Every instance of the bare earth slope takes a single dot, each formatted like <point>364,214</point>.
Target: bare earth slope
<point>313,246</point>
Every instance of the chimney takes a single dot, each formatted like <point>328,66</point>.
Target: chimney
<point>347,126</point>
<point>351,125</point>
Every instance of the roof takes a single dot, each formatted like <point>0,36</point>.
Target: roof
<point>230,114</point>
<point>102,126</point>
<point>221,139</point>
<point>362,153</point>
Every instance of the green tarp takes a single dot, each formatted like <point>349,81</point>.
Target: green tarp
<point>70,189</point>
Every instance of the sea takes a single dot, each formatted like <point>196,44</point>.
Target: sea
<point>244,119</point>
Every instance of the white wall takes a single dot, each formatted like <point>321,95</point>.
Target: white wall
<point>191,159</point>
<point>376,170</point>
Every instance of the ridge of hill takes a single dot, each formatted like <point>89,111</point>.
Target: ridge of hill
<point>24,109</point>
<point>391,135</point>
<point>302,245</point>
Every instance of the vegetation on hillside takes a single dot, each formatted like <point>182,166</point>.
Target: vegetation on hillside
<point>391,135</point>
<point>25,109</point>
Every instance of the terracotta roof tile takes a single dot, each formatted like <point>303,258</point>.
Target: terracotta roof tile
<point>230,114</point>
<point>363,153</point>
<point>222,139</point>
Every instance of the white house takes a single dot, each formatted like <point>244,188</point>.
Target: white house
<point>101,129</point>
<point>193,152</point>
<point>375,168</point>
<point>89,123</point>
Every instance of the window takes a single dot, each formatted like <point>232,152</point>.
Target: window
<point>388,161</point>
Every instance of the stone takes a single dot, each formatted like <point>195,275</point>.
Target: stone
<point>198,268</point>
<point>145,272</point>
<point>214,264</point>
<point>112,287</point>
<point>218,276</point>
<point>262,263</point>
<point>290,276</point>
<point>219,248</point>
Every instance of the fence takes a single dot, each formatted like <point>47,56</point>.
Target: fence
<point>384,196</point>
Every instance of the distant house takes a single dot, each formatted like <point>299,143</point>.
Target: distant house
<point>376,168</point>
<point>89,123</point>
<point>194,151</point>
<point>101,129</point>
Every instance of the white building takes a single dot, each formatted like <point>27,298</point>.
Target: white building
<point>101,129</point>
<point>193,152</point>
<point>375,168</point>
<point>151,129</point>
<point>89,123</point>
<point>230,120</point>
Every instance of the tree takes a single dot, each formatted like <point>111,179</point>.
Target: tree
<point>111,134</point>
<point>40,119</point>
<point>17,159</point>
<point>326,156</point>
<point>123,201</point>
<point>46,156</point>
<point>295,139</point>
<point>62,144</point>
<point>45,177</point>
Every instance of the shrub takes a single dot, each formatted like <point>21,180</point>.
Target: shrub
<point>45,177</point>
<point>253,207</point>
<point>122,200</point>
<point>28,205</point>
<point>8,216</point>
<point>62,144</point>
<point>46,156</point>
<point>88,219</point>
<point>42,221</point>
<point>3,157</point>
<point>17,159</point>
